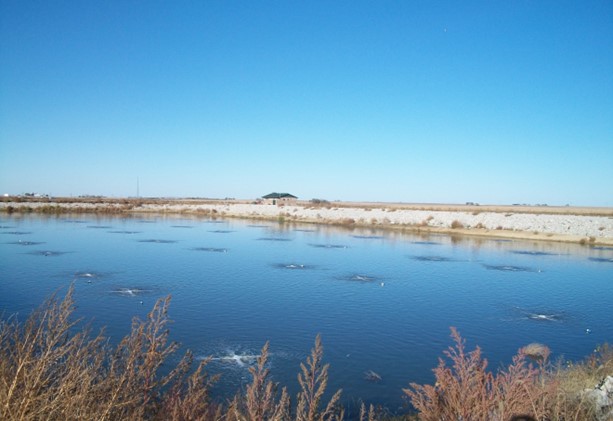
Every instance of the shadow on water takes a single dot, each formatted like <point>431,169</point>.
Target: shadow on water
<point>158,241</point>
<point>181,226</point>
<point>99,226</point>
<point>273,239</point>
<point>124,232</point>
<point>426,243</point>
<point>368,237</point>
<point>17,232</point>
<point>221,231</point>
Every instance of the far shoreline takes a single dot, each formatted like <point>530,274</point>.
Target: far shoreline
<point>583,225</point>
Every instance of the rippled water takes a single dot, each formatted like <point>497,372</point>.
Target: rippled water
<point>382,301</point>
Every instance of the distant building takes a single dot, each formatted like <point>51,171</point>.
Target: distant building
<point>279,198</point>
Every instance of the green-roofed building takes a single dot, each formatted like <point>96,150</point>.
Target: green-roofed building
<point>279,198</point>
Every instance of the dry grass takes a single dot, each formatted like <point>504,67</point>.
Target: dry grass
<point>51,369</point>
<point>466,390</point>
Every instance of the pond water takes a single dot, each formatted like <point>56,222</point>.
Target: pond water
<point>382,301</point>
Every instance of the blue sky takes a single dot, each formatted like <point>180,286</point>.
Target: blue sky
<point>403,101</point>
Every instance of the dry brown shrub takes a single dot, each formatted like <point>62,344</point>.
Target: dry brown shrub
<point>313,381</point>
<point>455,224</point>
<point>467,391</point>
<point>49,372</point>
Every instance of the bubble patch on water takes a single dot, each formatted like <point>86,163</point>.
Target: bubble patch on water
<point>210,249</point>
<point>26,243</point>
<point>292,266</point>
<point>48,253</point>
<point>532,253</point>
<point>130,292</point>
<point>17,232</point>
<point>601,259</point>
<point>539,315</point>
<point>329,246</point>
<point>435,259</point>
<point>359,277</point>
<point>510,268</point>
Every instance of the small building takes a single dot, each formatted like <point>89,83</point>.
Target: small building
<point>279,198</point>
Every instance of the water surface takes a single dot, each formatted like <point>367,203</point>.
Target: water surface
<point>382,301</point>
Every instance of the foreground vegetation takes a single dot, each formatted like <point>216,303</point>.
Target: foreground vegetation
<point>51,368</point>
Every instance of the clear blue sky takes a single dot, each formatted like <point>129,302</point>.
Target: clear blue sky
<point>413,101</point>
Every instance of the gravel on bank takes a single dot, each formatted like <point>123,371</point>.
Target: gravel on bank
<point>566,226</point>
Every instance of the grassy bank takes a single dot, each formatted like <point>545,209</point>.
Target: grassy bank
<point>52,367</point>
